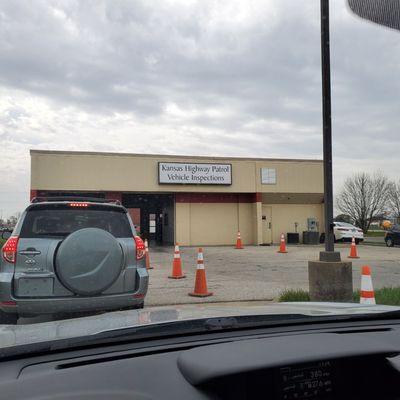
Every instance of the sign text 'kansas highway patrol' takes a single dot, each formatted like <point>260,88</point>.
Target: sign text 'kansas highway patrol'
<point>198,174</point>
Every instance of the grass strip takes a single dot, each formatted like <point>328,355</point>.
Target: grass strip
<point>389,296</point>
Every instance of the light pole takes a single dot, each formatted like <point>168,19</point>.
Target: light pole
<point>329,254</point>
<point>329,278</point>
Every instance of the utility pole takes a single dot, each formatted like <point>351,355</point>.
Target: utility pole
<point>329,278</point>
<point>327,126</point>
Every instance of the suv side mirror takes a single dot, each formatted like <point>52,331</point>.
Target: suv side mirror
<point>6,234</point>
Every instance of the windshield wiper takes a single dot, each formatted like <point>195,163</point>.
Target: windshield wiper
<point>233,323</point>
<point>155,331</point>
<point>190,327</point>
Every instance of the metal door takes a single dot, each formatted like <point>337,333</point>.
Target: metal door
<point>267,224</point>
<point>159,228</point>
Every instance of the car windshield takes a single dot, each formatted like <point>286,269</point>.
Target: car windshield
<point>203,158</point>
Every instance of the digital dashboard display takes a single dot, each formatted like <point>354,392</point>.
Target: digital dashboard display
<point>306,381</point>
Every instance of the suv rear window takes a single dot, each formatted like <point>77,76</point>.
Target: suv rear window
<point>60,222</point>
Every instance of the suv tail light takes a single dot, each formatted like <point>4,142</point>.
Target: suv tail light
<point>9,249</point>
<point>140,249</point>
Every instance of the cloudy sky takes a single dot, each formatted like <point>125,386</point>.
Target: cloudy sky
<point>226,78</point>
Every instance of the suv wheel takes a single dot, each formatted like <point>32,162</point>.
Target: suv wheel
<point>389,242</point>
<point>8,318</point>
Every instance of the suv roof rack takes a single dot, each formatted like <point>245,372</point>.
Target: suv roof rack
<point>74,198</point>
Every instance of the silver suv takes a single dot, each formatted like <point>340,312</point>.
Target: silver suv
<point>69,255</point>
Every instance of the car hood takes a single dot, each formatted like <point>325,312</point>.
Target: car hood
<point>14,335</point>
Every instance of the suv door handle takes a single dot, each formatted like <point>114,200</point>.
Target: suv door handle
<point>29,252</point>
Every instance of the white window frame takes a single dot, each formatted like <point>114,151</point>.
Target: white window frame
<point>268,176</point>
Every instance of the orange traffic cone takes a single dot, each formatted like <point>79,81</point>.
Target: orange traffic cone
<point>146,246</point>
<point>282,247</point>
<point>239,241</point>
<point>200,285</point>
<point>177,265</point>
<point>353,249</point>
<point>367,295</point>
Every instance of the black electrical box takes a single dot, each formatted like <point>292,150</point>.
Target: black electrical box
<point>293,238</point>
<point>310,237</point>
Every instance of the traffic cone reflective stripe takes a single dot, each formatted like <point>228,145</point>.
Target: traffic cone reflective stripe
<point>200,285</point>
<point>282,247</point>
<point>367,295</point>
<point>239,244</point>
<point>177,265</point>
<point>176,252</point>
<point>146,246</point>
<point>353,249</point>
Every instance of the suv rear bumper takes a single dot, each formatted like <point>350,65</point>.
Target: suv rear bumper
<point>54,305</point>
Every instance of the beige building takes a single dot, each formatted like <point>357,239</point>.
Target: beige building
<point>192,200</point>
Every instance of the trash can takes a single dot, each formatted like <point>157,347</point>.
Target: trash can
<point>293,238</point>
<point>310,237</point>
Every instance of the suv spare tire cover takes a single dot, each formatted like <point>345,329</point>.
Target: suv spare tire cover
<point>89,261</point>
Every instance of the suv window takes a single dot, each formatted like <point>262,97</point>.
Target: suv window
<point>61,222</point>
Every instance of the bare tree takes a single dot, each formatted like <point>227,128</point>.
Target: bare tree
<point>394,199</point>
<point>363,197</point>
<point>343,218</point>
<point>12,221</point>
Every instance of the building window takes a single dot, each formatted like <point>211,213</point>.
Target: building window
<point>268,176</point>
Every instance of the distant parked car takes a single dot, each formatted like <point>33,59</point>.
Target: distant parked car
<point>392,237</point>
<point>72,255</point>
<point>344,232</point>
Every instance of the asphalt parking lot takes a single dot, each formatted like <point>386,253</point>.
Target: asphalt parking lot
<point>257,272</point>
<point>254,274</point>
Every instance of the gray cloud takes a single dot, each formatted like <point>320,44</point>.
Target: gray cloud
<point>192,77</point>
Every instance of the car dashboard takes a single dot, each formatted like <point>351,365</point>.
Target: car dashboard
<point>336,379</point>
<point>324,362</point>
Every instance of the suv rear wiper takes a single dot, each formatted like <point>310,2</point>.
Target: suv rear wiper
<point>53,233</point>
